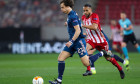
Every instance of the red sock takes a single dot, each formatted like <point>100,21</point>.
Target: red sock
<point>114,62</point>
<point>118,50</point>
<point>88,68</point>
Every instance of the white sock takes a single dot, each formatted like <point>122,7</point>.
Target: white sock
<point>102,53</point>
<point>93,68</point>
<point>124,62</point>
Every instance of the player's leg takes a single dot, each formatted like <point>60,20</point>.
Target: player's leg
<point>67,52</point>
<point>115,63</point>
<point>123,45</point>
<point>92,59</point>
<point>125,51</point>
<point>90,53</point>
<point>91,49</point>
<point>124,62</point>
<point>134,42</point>
<point>85,61</point>
<point>137,47</point>
<point>115,47</point>
<point>61,63</point>
<point>109,57</point>
<point>81,49</point>
<point>88,48</point>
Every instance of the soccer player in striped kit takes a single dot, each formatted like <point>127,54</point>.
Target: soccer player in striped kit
<point>95,38</point>
<point>116,36</point>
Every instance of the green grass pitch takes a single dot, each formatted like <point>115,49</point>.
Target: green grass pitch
<point>21,69</point>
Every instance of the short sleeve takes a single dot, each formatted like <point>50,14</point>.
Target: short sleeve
<point>95,19</point>
<point>128,22</point>
<point>74,21</point>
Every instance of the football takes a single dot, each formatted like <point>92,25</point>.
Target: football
<point>38,80</point>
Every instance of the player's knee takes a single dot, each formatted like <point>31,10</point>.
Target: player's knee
<point>123,44</point>
<point>114,47</point>
<point>60,59</point>
<point>136,45</point>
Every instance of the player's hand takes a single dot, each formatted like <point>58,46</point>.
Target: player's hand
<point>84,34</point>
<point>68,44</point>
<point>82,25</point>
<point>65,24</point>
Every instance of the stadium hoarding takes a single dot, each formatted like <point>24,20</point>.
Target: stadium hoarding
<point>37,47</point>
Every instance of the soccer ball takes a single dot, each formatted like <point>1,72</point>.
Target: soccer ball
<point>38,80</point>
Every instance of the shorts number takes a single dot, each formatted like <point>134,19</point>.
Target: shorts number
<point>81,51</point>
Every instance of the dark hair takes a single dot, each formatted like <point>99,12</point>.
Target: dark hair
<point>113,20</point>
<point>87,5</point>
<point>123,12</point>
<point>68,3</point>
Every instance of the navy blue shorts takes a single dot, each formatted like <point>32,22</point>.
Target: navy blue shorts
<point>79,46</point>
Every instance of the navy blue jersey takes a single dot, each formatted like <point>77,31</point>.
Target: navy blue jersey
<point>72,21</point>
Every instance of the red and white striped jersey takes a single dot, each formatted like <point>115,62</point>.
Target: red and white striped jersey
<point>116,33</point>
<point>94,35</point>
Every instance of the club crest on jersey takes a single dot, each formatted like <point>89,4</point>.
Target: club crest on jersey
<point>95,19</point>
<point>75,21</point>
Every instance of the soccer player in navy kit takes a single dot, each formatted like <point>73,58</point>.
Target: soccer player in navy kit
<point>76,41</point>
<point>126,27</point>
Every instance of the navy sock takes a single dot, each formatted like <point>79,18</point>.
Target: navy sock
<point>118,58</point>
<point>93,58</point>
<point>61,68</point>
<point>92,64</point>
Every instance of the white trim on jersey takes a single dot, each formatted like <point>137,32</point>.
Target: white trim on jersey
<point>100,36</point>
<point>90,36</point>
<point>95,35</point>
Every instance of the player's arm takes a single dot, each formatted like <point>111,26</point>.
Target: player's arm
<point>129,25</point>
<point>94,26</point>
<point>76,35</point>
<point>76,26</point>
<point>77,32</point>
<point>106,39</point>
<point>129,28</point>
<point>94,21</point>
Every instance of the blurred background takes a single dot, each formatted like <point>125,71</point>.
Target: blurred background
<point>37,26</point>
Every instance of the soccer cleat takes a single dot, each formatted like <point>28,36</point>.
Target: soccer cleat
<point>55,82</point>
<point>87,73</point>
<point>122,75</point>
<point>127,65</point>
<point>93,71</point>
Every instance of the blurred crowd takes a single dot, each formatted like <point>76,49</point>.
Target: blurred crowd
<point>30,13</point>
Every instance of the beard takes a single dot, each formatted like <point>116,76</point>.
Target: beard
<point>88,15</point>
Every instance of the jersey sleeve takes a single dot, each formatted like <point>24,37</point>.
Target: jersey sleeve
<point>128,22</point>
<point>95,19</point>
<point>83,17</point>
<point>74,21</point>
